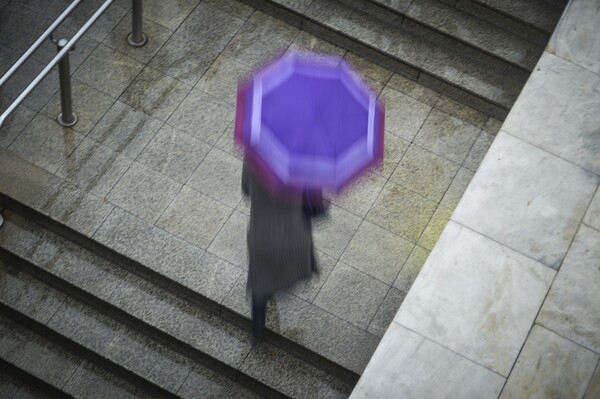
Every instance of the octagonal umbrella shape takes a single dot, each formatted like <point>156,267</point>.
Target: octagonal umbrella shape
<point>308,121</point>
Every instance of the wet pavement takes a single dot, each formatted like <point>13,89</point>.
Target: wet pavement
<point>154,144</point>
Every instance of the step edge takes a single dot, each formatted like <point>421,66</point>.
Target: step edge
<point>33,380</point>
<point>517,19</point>
<point>391,58</point>
<point>145,328</point>
<point>229,315</point>
<point>395,13</point>
<point>72,346</point>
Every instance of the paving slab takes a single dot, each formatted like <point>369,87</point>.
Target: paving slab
<point>550,366</point>
<point>377,252</point>
<point>593,389</point>
<point>88,103</point>
<point>360,195</point>
<point>44,143</point>
<point>309,288</point>
<point>212,26</point>
<point>592,216</point>
<point>425,173</point>
<point>174,153</point>
<point>183,58</point>
<point>404,115</point>
<point>202,116</point>
<point>434,228</point>
<point>333,233</point>
<point>408,365</point>
<point>401,211</point>
<point>260,39</point>
<point>103,25</point>
<point>125,129</point>
<point>231,241</point>
<point>411,268</point>
<point>219,176</point>
<point>478,151</point>
<point>497,293</point>
<point>170,15</point>
<point>457,188</point>
<point>221,79</point>
<point>108,70</point>
<point>190,210</point>
<point>574,139</point>
<point>413,89</point>
<point>517,202</point>
<point>155,93</point>
<point>569,309</point>
<point>15,123</point>
<point>339,295</point>
<point>139,184</point>
<point>386,312</point>
<point>575,38</point>
<point>447,136</point>
<point>94,167</point>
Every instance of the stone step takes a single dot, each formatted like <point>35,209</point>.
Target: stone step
<point>391,40</point>
<point>17,383</point>
<point>187,329</point>
<point>38,367</point>
<point>453,28</point>
<point>533,20</point>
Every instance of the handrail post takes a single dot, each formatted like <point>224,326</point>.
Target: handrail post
<point>67,117</point>
<point>136,38</point>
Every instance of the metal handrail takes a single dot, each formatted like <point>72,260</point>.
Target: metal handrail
<point>55,60</point>
<point>39,42</point>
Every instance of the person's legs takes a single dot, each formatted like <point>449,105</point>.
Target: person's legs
<point>259,313</point>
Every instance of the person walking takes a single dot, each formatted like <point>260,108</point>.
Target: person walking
<point>280,245</point>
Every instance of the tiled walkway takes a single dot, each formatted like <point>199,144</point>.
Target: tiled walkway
<point>155,140</point>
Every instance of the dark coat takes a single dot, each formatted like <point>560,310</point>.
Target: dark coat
<point>280,246</point>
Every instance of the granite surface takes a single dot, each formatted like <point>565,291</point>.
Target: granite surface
<point>550,366</point>
<point>420,368</point>
<point>575,38</point>
<point>113,340</point>
<point>24,349</point>
<point>558,80</point>
<point>570,308</point>
<point>497,293</point>
<point>525,198</point>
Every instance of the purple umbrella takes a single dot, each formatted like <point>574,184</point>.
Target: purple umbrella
<point>309,121</point>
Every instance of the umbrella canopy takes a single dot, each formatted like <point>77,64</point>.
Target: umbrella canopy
<point>309,121</point>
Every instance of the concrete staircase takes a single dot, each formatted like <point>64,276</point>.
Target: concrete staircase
<point>77,324</point>
<point>479,52</point>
